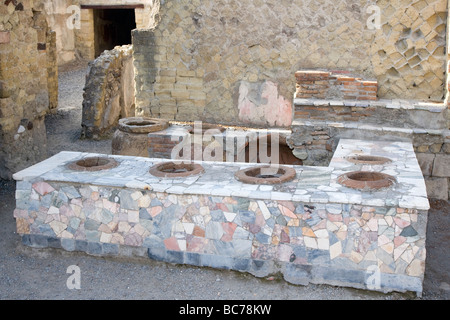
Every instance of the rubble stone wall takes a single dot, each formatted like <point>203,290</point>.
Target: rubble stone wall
<point>26,74</point>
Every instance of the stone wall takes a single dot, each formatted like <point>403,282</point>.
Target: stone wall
<point>222,61</point>
<point>315,142</point>
<point>75,34</point>
<point>434,159</point>
<point>26,74</point>
<point>336,86</point>
<point>58,16</point>
<point>109,92</point>
<point>408,51</point>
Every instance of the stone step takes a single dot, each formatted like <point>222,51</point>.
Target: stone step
<point>402,114</point>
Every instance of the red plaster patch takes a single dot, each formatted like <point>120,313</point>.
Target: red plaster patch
<point>276,110</point>
<point>4,37</point>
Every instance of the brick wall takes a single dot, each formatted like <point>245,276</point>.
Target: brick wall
<point>333,85</point>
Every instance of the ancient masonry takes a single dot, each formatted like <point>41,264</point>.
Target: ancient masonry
<point>28,84</point>
<point>201,62</point>
<point>218,66</point>
<point>365,107</point>
<point>310,228</point>
<point>77,40</point>
<point>109,92</point>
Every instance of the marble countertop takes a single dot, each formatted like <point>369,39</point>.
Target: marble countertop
<point>311,185</point>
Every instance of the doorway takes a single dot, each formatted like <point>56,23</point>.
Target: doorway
<point>112,27</point>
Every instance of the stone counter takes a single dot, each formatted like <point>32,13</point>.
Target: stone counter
<point>311,229</point>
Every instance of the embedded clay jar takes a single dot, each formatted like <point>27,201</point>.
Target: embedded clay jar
<point>266,175</point>
<point>176,170</point>
<point>131,137</point>
<point>369,160</point>
<point>93,164</point>
<point>366,180</point>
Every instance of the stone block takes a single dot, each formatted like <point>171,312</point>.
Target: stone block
<point>80,245</point>
<point>4,37</point>
<point>110,249</point>
<point>54,243</point>
<point>36,241</point>
<point>441,167</point>
<point>241,264</point>
<point>94,248</point>
<point>157,253</point>
<point>437,188</point>
<point>192,258</point>
<point>68,244</point>
<point>176,257</point>
<point>426,161</point>
<point>216,261</point>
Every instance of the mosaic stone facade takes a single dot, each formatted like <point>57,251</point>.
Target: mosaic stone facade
<point>310,229</point>
<point>231,232</point>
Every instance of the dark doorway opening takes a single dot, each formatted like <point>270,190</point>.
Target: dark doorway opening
<point>112,27</point>
<point>285,155</point>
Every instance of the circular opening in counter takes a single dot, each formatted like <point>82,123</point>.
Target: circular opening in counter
<point>93,164</point>
<point>365,159</point>
<point>365,180</point>
<point>266,175</point>
<point>142,125</point>
<point>176,170</point>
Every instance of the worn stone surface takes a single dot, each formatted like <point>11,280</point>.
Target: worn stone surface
<point>192,64</point>
<point>407,62</point>
<point>109,92</point>
<point>75,27</point>
<point>438,188</point>
<point>441,167</point>
<point>426,162</point>
<point>28,85</point>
